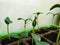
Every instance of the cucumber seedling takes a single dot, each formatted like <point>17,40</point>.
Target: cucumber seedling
<point>8,21</point>
<point>56,6</point>
<point>34,24</point>
<point>25,21</point>
<point>53,7</point>
<point>53,16</point>
<point>37,14</point>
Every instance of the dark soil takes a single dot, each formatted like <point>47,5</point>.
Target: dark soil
<point>24,41</point>
<point>47,34</point>
<point>6,41</point>
<point>52,37</point>
<point>27,41</point>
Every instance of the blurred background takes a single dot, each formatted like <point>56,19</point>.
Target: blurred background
<point>25,9</point>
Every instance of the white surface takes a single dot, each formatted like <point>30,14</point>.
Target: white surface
<point>24,9</point>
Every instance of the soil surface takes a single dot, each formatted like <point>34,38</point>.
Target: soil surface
<point>47,34</point>
<point>6,40</point>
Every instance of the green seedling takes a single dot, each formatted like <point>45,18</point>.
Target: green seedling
<point>56,6</point>
<point>37,15</point>
<point>53,16</point>
<point>8,21</point>
<point>34,24</point>
<point>53,7</point>
<point>25,21</point>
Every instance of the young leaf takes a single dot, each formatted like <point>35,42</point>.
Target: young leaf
<point>22,35</point>
<point>51,13</point>
<point>20,19</point>
<point>28,19</point>
<point>7,20</point>
<point>14,35</point>
<point>41,43</point>
<point>37,40</point>
<point>53,27</point>
<point>55,6</point>
<point>35,37</point>
<point>37,13</point>
<point>34,22</point>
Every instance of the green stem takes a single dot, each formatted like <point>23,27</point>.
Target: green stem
<point>24,26</point>
<point>33,30</point>
<point>8,31</point>
<point>59,23</point>
<point>32,41</point>
<point>57,40</point>
<point>53,20</point>
<point>18,42</point>
<point>37,20</point>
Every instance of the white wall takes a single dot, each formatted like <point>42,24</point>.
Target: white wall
<point>24,9</point>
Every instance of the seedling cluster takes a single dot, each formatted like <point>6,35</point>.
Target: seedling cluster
<point>36,39</point>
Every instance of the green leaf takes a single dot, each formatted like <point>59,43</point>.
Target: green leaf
<point>37,40</point>
<point>24,35</point>
<point>20,19</point>
<point>44,43</point>
<point>51,13</point>
<point>41,43</point>
<point>28,19</point>
<point>14,35</point>
<point>35,37</point>
<point>55,6</point>
<point>37,13</point>
<point>7,20</point>
<point>34,22</point>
